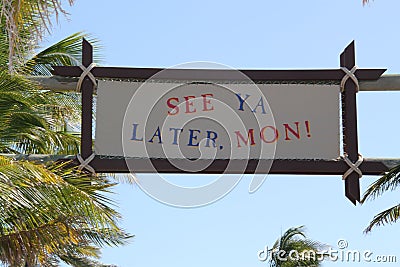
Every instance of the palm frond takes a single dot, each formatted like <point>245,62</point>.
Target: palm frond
<point>33,121</point>
<point>53,210</point>
<point>388,216</point>
<point>82,256</point>
<point>67,52</point>
<point>27,18</point>
<point>295,239</point>
<point>388,182</point>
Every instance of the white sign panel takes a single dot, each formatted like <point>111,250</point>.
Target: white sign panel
<point>198,120</point>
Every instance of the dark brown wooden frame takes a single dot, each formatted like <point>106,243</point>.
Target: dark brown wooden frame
<point>309,167</point>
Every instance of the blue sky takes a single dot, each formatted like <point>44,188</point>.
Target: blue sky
<point>263,34</point>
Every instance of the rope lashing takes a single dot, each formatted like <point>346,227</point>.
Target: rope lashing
<point>85,163</point>
<point>349,74</point>
<point>354,167</point>
<point>85,72</point>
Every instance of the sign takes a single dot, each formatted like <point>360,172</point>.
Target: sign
<point>217,121</point>
<point>223,121</point>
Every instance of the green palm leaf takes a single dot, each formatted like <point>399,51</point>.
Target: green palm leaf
<point>388,182</point>
<point>24,21</point>
<point>52,211</point>
<point>31,121</point>
<point>294,239</point>
<point>67,52</point>
<point>388,216</point>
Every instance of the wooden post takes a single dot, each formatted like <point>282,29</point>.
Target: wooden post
<point>87,102</point>
<point>349,122</point>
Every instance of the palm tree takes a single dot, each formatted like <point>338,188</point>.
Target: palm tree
<point>49,213</point>
<point>388,182</point>
<point>294,249</point>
